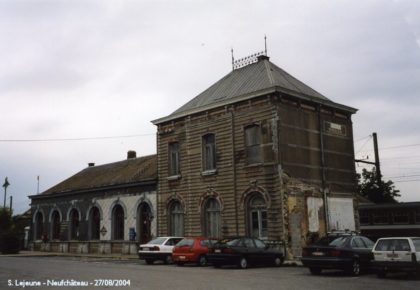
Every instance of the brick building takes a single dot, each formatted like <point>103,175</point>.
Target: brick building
<point>258,153</point>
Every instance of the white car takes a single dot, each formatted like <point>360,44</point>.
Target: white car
<point>399,254</point>
<point>158,249</point>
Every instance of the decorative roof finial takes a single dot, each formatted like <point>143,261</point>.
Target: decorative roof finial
<point>233,59</point>
<point>265,44</point>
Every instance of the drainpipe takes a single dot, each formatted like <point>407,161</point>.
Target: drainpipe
<point>324,191</point>
<point>232,126</point>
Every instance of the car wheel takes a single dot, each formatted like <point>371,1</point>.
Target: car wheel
<point>315,271</point>
<point>168,259</point>
<point>202,261</point>
<point>278,261</point>
<point>243,263</point>
<point>149,261</point>
<point>355,268</point>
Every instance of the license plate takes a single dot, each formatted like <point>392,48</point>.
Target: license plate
<point>392,255</point>
<point>217,251</point>
<point>146,249</point>
<point>182,257</point>
<point>318,254</point>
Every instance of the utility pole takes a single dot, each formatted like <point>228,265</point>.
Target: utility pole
<point>378,167</point>
<point>376,163</point>
<point>5,185</point>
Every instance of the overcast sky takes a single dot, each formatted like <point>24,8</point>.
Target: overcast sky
<point>84,69</point>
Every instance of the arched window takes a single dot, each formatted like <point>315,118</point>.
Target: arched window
<point>176,219</point>
<point>209,152</point>
<point>55,225</point>
<point>212,218</point>
<point>39,225</point>
<point>94,223</point>
<point>74,224</point>
<point>144,219</point>
<point>118,223</point>
<point>257,217</point>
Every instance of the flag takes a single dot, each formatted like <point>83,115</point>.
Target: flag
<point>6,183</point>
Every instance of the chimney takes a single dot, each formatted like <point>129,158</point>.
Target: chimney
<point>91,164</point>
<point>131,154</point>
<point>263,57</point>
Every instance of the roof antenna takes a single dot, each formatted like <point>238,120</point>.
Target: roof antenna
<point>233,59</point>
<point>265,44</point>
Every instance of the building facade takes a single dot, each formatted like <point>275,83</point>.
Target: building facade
<point>259,153</point>
<point>390,220</point>
<point>101,209</point>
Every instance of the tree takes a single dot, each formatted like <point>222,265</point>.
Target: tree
<point>367,186</point>
<point>9,235</point>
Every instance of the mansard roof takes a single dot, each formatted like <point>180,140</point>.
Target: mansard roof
<point>256,79</point>
<point>121,174</point>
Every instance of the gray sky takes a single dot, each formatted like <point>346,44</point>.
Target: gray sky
<point>83,69</point>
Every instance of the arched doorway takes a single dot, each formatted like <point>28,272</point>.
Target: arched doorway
<point>55,225</point>
<point>74,224</point>
<point>117,223</point>
<point>144,219</point>
<point>39,225</point>
<point>94,223</point>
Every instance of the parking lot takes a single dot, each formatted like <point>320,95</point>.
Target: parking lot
<point>101,273</point>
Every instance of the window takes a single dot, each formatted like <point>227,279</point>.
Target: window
<point>364,218</point>
<point>400,217</point>
<point>257,217</point>
<point>248,243</point>
<point>212,218</point>
<point>39,226</point>
<point>209,152</point>
<point>55,225</point>
<point>380,218</point>
<point>74,224</point>
<point>259,244</point>
<point>174,159</point>
<point>252,144</point>
<point>176,219</point>
<point>357,242</point>
<point>94,223</point>
<point>118,223</point>
<point>417,217</point>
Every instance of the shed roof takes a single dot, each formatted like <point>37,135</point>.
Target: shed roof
<point>127,172</point>
<point>247,82</point>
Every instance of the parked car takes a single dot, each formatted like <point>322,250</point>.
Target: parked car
<point>349,252</point>
<point>192,250</point>
<point>158,249</point>
<point>399,254</point>
<point>243,251</point>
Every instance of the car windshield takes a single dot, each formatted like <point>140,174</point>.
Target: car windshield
<point>338,242</point>
<point>157,241</point>
<point>185,243</point>
<point>229,242</point>
<point>416,243</point>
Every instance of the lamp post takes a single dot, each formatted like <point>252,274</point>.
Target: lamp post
<point>5,185</point>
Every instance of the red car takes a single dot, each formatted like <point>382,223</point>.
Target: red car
<point>192,250</point>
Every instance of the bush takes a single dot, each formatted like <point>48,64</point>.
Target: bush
<point>9,242</point>
<point>9,236</point>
